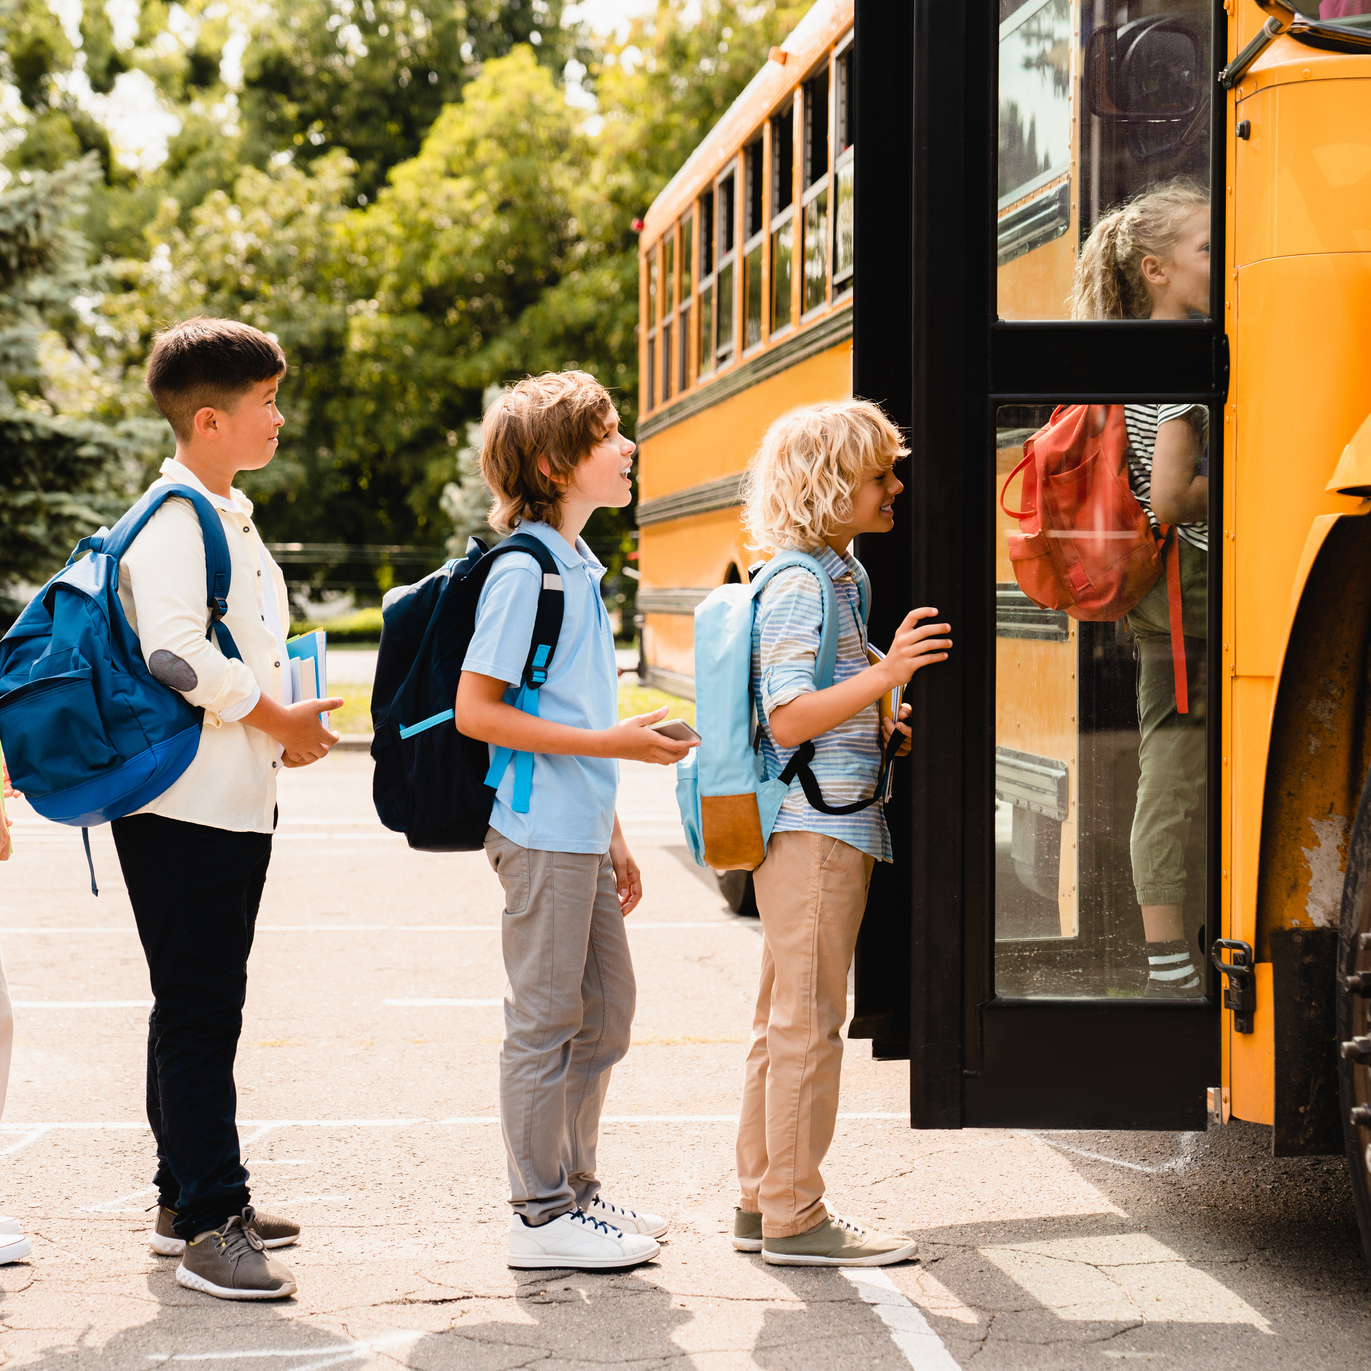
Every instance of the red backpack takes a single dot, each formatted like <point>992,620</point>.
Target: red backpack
<point>1085,545</point>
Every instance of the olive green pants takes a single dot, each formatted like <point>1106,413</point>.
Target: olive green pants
<point>1172,750</point>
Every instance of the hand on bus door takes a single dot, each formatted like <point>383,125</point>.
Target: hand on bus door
<point>916,646</point>
<point>888,726</point>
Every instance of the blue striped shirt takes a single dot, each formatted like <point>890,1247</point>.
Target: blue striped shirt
<point>847,759</point>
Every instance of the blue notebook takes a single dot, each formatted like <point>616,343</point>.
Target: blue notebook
<point>309,667</point>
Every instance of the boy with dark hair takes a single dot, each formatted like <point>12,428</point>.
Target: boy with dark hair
<point>552,454</point>
<point>195,859</point>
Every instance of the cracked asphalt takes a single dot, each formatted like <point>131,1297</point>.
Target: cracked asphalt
<point>368,1113</point>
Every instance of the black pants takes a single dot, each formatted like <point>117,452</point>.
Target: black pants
<point>195,892</point>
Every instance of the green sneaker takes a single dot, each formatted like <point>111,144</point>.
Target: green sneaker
<point>747,1231</point>
<point>837,1242</point>
<point>231,1264</point>
<point>273,1230</point>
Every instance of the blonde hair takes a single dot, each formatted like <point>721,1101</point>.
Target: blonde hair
<point>799,485</point>
<point>1108,283</point>
<point>556,417</point>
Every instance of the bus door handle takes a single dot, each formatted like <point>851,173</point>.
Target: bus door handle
<point>1241,993</point>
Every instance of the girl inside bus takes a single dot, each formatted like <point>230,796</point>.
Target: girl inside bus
<point>1149,259</point>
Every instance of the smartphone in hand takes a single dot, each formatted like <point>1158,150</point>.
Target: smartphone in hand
<point>677,729</point>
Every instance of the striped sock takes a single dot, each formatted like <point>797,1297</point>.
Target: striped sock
<point>1169,965</point>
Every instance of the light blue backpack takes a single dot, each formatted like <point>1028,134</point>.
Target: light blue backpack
<point>727,801</point>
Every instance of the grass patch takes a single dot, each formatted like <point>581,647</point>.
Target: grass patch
<point>639,699</point>
<point>361,626</point>
<point>355,715</point>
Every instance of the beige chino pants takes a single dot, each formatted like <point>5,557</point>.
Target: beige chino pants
<point>811,893</point>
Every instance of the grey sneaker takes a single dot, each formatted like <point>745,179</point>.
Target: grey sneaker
<point>747,1231</point>
<point>273,1230</point>
<point>230,1264</point>
<point>837,1242</point>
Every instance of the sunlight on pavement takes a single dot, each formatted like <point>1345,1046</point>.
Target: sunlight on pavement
<point>1120,1278</point>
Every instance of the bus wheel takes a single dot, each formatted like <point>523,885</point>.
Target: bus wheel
<point>1354,1014</point>
<point>736,888</point>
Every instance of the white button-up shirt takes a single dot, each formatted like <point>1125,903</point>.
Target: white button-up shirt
<point>231,783</point>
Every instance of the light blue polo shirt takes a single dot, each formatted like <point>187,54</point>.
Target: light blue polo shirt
<point>572,805</point>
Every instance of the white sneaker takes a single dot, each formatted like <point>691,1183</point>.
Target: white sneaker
<point>15,1247</point>
<point>11,1226</point>
<point>649,1225</point>
<point>577,1242</point>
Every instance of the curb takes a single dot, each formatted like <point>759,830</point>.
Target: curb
<point>353,742</point>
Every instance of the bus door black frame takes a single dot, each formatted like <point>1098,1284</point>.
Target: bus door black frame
<point>928,345</point>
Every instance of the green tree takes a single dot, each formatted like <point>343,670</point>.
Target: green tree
<point>372,76</point>
<point>62,474</point>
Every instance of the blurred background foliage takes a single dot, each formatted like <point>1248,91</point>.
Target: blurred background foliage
<point>421,199</point>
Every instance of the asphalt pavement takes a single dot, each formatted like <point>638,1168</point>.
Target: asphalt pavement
<point>368,1107</point>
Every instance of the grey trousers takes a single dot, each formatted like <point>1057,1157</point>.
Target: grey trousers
<point>568,1012</point>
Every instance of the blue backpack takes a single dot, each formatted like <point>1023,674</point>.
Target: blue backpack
<point>89,734</point>
<point>432,783</point>
<point>727,801</point>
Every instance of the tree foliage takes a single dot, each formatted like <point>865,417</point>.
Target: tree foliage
<point>400,192</point>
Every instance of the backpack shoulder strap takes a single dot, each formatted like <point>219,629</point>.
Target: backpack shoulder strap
<point>547,624</point>
<point>218,568</point>
<point>827,657</point>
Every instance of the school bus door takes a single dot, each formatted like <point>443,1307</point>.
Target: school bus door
<point>1005,952</point>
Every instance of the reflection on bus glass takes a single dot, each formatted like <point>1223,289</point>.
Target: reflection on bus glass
<point>1035,95</point>
<point>1101,744</point>
<point>1098,104</point>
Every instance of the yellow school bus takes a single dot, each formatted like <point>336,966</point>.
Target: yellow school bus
<point>746,281</point>
<point>1055,801</point>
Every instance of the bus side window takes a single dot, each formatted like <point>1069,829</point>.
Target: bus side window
<point>844,174</point>
<point>724,290</point>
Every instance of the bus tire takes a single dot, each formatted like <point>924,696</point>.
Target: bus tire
<point>738,892</point>
<point>1354,1013</point>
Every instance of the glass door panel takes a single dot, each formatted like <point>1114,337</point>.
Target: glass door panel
<point>1101,744</point>
<point>1100,103</point>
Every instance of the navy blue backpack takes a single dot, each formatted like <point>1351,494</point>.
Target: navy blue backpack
<point>432,783</point>
<point>89,734</point>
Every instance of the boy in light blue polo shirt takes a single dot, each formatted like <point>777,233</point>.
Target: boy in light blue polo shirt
<point>552,454</point>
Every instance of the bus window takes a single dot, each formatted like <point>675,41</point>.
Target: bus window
<point>1101,745</point>
<point>666,361</point>
<point>724,288</point>
<point>687,257</point>
<point>704,357</point>
<point>668,275</point>
<point>1096,105</point>
<point>844,176</point>
<point>814,196</point>
<point>652,289</point>
<point>782,216</point>
<point>753,238</point>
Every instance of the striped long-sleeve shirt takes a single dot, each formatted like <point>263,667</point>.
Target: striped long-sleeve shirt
<point>847,759</point>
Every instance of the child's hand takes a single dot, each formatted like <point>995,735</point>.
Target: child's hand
<point>888,726</point>
<point>305,739</point>
<point>916,647</point>
<point>10,792</point>
<point>628,880</point>
<point>635,740</point>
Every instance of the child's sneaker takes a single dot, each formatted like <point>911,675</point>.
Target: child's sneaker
<point>577,1242</point>
<point>14,1247</point>
<point>273,1230</point>
<point>230,1264</point>
<point>837,1242</point>
<point>627,1220</point>
<point>747,1231</point>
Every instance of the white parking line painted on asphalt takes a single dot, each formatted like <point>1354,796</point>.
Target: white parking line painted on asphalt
<point>131,931</point>
<point>923,1349</point>
<point>441,1004</point>
<point>331,1354</point>
<point>82,1004</point>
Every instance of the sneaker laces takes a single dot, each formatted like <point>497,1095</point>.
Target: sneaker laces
<point>580,1216</point>
<point>609,1208</point>
<point>236,1234</point>
<point>838,1221</point>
